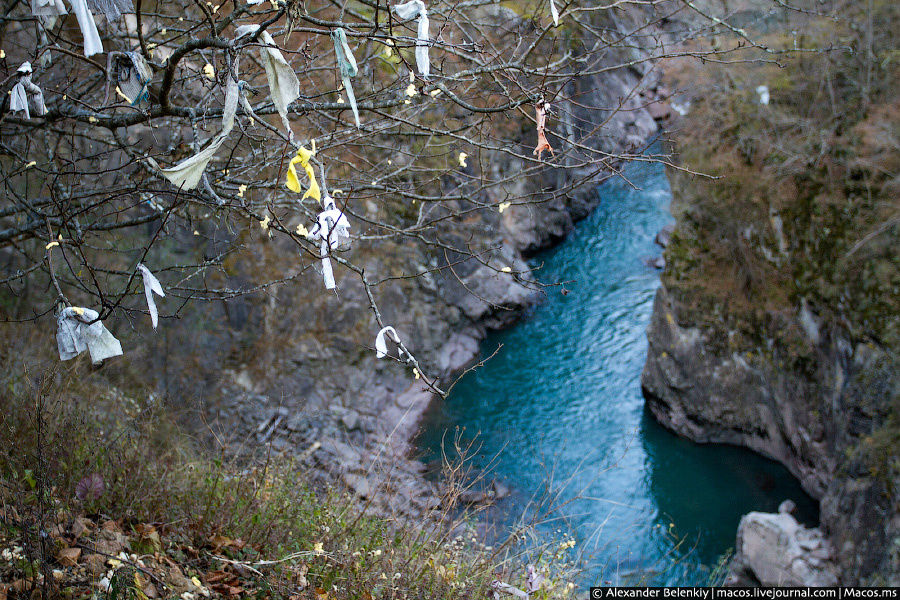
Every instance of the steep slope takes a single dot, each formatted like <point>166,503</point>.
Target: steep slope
<point>777,324</point>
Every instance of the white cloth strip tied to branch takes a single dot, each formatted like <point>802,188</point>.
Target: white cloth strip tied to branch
<point>284,87</point>
<point>332,229</point>
<point>411,10</point>
<point>80,329</point>
<point>48,8</point>
<point>47,11</point>
<point>347,64</point>
<point>92,43</point>
<point>554,12</point>
<point>386,333</point>
<point>24,87</point>
<point>151,286</point>
<point>186,174</point>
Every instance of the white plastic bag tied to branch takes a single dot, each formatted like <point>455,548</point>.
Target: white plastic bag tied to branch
<point>80,329</point>
<point>381,338</point>
<point>411,10</point>
<point>332,229</point>
<point>284,87</point>
<point>24,87</point>
<point>347,64</point>
<point>92,43</point>
<point>186,174</point>
<point>47,12</point>
<point>151,286</point>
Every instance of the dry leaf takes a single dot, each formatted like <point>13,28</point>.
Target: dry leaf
<point>111,526</point>
<point>68,557</point>
<point>80,525</point>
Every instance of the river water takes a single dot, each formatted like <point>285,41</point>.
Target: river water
<point>559,407</point>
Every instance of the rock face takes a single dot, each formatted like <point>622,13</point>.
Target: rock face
<point>833,429</point>
<point>775,550</point>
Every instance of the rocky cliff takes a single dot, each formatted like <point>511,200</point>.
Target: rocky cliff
<point>824,428</point>
<point>777,324</point>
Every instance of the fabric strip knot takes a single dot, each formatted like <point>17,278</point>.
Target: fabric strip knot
<point>131,73</point>
<point>151,286</point>
<point>24,87</point>
<point>80,329</point>
<point>411,10</point>
<point>347,64</point>
<point>381,340</point>
<point>332,229</point>
<point>541,109</point>
<point>293,183</point>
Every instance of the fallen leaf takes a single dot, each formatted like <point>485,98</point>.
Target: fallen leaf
<point>68,557</point>
<point>80,525</point>
<point>220,541</point>
<point>111,526</point>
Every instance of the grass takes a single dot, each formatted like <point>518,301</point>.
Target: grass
<point>168,519</point>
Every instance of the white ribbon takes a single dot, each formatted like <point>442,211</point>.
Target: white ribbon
<point>92,43</point>
<point>80,329</point>
<point>151,286</point>
<point>411,10</point>
<point>554,12</point>
<point>284,87</point>
<point>381,342</point>
<point>332,229</point>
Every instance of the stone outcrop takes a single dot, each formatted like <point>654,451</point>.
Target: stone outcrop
<point>833,429</point>
<point>775,550</point>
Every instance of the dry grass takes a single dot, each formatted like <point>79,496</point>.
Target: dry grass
<point>171,521</point>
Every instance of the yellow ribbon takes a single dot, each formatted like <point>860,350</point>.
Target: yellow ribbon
<point>293,182</point>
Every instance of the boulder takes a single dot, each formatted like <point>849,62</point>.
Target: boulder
<point>664,235</point>
<point>773,549</point>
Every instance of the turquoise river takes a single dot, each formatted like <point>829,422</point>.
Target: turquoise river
<point>559,408</point>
